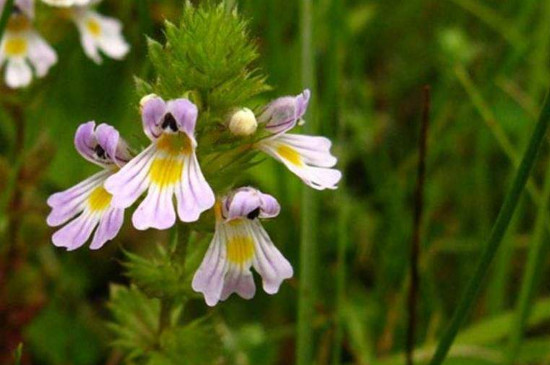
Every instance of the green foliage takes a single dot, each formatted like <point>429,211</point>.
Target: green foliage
<point>59,336</point>
<point>158,275</point>
<point>135,321</point>
<point>17,354</point>
<point>195,343</point>
<point>136,328</point>
<point>210,56</point>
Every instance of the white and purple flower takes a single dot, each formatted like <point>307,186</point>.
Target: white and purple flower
<point>308,157</point>
<point>99,33</point>
<point>239,243</point>
<point>168,167</point>
<point>22,49</point>
<point>67,3</point>
<point>88,205</point>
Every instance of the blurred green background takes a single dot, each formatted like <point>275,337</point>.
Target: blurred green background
<point>487,63</point>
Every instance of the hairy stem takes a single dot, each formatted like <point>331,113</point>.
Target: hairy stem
<point>503,220</point>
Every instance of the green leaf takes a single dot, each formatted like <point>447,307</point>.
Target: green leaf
<point>135,321</point>
<point>158,276</point>
<point>197,343</point>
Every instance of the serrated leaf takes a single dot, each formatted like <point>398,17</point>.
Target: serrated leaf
<point>197,343</point>
<point>135,321</point>
<point>158,276</point>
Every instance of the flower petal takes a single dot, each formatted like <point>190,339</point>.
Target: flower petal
<point>109,139</point>
<point>307,157</point>
<point>76,233</point>
<point>152,114</point>
<point>69,203</point>
<point>18,73</point>
<point>185,113</point>
<point>283,113</point>
<point>41,55</point>
<point>109,226</point>
<point>268,261</point>
<point>193,194</point>
<point>238,280</point>
<point>156,210</point>
<point>132,180</point>
<point>209,278</point>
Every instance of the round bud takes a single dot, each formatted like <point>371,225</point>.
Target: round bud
<point>243,123</point>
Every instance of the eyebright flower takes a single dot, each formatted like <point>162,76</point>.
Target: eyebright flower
<point>22,47</point>
<point>240,242</point>
<point>243,123</point>
<point>99,33</point>
<point>308,157</point>
<point>88,201</point>
<point>168,167</point>
<point>66,3</point>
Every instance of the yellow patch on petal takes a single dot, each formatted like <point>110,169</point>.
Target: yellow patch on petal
<point>175,144</point>
<point>17,46</point>
<point>290,154</point>
<point>99,199</point>
<point>240,249</point>
<point>93,27</point>
<point>166,171</point>
<point>18,23</point>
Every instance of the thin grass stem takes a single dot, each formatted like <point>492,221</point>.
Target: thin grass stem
<point>417,224</point>
<point>467,300</point>
<point>535,259</point>
<point>306,291</point>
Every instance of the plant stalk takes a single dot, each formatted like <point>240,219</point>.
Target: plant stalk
<point>8,9</point>
<point>417,225</point>
<point>503,220</point>
<point>537,253</point>
<point>308,245</point>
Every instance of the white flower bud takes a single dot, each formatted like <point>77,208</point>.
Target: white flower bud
<point>243,123</point>
<point>146,98</point>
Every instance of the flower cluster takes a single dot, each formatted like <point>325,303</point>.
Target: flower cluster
<point>169,167</point>
<point>24,51</point>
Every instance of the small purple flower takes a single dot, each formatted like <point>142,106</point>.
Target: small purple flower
<point>168,167</point>
<point>308,157</point>
<point>22,49</point>
<point>239,243</point>
<point>88,205</point>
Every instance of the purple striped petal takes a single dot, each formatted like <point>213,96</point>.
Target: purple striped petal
<point>193,194</point>
<point>156,210</point>
<point>250,203</point>
<point>209,278</point>
<point>283,113</point>
<point>269,262</point>
<point>109,226</point>
<point>307,157</point>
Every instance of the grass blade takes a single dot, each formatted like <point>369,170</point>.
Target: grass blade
<point>503,220</point>
<point>306,291</point>
<point>8,7</point>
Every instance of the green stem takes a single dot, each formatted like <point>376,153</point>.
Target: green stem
<point>306,291</point>
<point>8,8</point>
<point>537,253</point>
<point>343,216</point>
<point>503,220</point>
